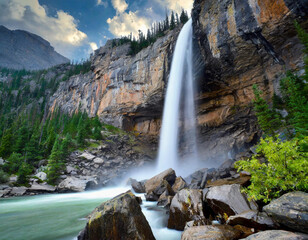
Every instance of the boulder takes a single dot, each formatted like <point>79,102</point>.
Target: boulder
<point>118,218</point>
<point>18,191</point>
<point>73,184</point>
<point>241,180</point>
<point>290,210</point>
<point>42,188</point>
<point>138,187</point>
<point>1,161</point>
<point>252,219</point>
<point>187,205</point>
<point>42,176</point>
<point>87,156</point>
<point>164,186</point>
<point>70,169</point>
<point>5,192</point>
<point>154,182</point>
<point>179,184</point>
<point>277,235</point>
<point>228,199</point>
<point>217,232</point>
<point>198,179</point>
<point>98,161</point>
<point>164,200</point>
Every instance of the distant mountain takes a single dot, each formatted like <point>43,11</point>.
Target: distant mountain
<point>23,50</point>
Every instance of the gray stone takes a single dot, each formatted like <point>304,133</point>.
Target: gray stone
<point>72,184</point>
<point>1,161</point>
<point>277,235</point>
<point>42,188</point>
<point>154,182</point>
<point>179,184</point>
<point>228,199</point>
<point>252,219</point>
<point>290,210</point>
<point>217,232</point>
<point>186,205</point>
<point>42,176</point>
<point>87,156</point>
<point>99,161</point>
<point>18,191</point>
<point>70,169</point>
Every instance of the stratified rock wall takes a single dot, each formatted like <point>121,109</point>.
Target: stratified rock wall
<point>242,42</point>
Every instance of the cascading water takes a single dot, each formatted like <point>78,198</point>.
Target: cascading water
<point>181,82</point>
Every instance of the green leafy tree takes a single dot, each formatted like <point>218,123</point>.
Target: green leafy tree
<point>285,169</point>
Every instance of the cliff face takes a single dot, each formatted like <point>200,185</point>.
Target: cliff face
<point>23,50</point>
<point>237,44</point>
<point>242,43</point>
<point>126,91</point>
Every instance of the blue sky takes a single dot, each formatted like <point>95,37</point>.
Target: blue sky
<point>77,27</point>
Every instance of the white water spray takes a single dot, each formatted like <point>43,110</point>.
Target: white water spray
<point>181,78</point>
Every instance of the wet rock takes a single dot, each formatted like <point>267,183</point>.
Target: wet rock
<point>73,184</point>
<point>252,219</point>
<point>186,206</point>
<point>228,199</point>
<point>18,191</point>
<point>241,180</point>
<point>118,218</point>
<point>156,181</point>
<point>165,200</point>
<point>179,184</point>
<point>217,232</point>
<point>245,231</point>
<point>290,210</point>
<point>277,235</point>
<point>138,187</point>
<point>198,179</point>
<point>42,176</point>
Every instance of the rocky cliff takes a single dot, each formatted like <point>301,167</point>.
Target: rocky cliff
<point>23,50</point>
<point>237,44</point>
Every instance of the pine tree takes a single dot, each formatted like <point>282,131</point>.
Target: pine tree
<point>97,135</point>
<point>81,134</point>
<point>55,163</point>
<point>22,138</point>
<point>65,145</point>
<point>6,144</point>
<point>33,148</point>
<point>23,173</point>
<point>268,119</point>
<point>172,21</point>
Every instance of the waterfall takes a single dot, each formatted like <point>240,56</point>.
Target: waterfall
<point>180,88</point>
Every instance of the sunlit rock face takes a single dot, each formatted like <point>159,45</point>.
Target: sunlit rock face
<point>242,43</point>
<point>124,90</point>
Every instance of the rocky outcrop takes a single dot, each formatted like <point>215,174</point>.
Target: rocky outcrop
<point>23,50</point>
<point>290,211</point>
<point>118,218</point>
<point>241,43</point>
<point>222,232</point>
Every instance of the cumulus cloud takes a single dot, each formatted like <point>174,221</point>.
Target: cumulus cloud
<point>176,5</point>
<point>119,5</point>
<point>60,30</point>
<point>102,3</point>
<point>93,46</point>
<point>126,23</point>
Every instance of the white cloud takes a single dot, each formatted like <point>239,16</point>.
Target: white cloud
<point>119,5</point>
<point>60,30</point>
<point>93,46</point>
<point>126,23</point>
<point>102,3</point>
<point>177,5</point>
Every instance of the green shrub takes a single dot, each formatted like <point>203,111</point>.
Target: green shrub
<point>4,177</point>
<point>285,168</point>
<point>23,173</point>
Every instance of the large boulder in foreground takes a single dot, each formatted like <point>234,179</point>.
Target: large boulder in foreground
<point>228,199</point>
<point>118,218</point>
<point>277,235</point>
<point>219,232</point>
<point>252,219</point>
<point>187,205</point>
<point>290,210</point>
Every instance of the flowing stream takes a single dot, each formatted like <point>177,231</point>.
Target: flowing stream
<point>180,88</point>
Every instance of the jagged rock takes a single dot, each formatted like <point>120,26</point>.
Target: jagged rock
<point>228,199</point>
<point>164,186</point>
<point>73,184</point>
<point>290,210</point>
<point>137,186</point>
<point>165,200</point>
<point>277,235</point>
<point>70,169</point>
<point>42,188</point>
<point>5,192</point>
<point>87,156</point>
<point>156,181</point>
<point>179,184</point>
<point>118,218</point>
<point>218,232</point>
<point>18,191</point>
<point>42,176</point>
<point>198,179</point>
<point>186,205</point>
<point>252,219</point>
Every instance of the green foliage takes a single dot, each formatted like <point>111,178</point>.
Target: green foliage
<point>285,168</point>
<point>55,163</point>
<point>13,163</point>
<point>6,143</point>
<point>4,177</point>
